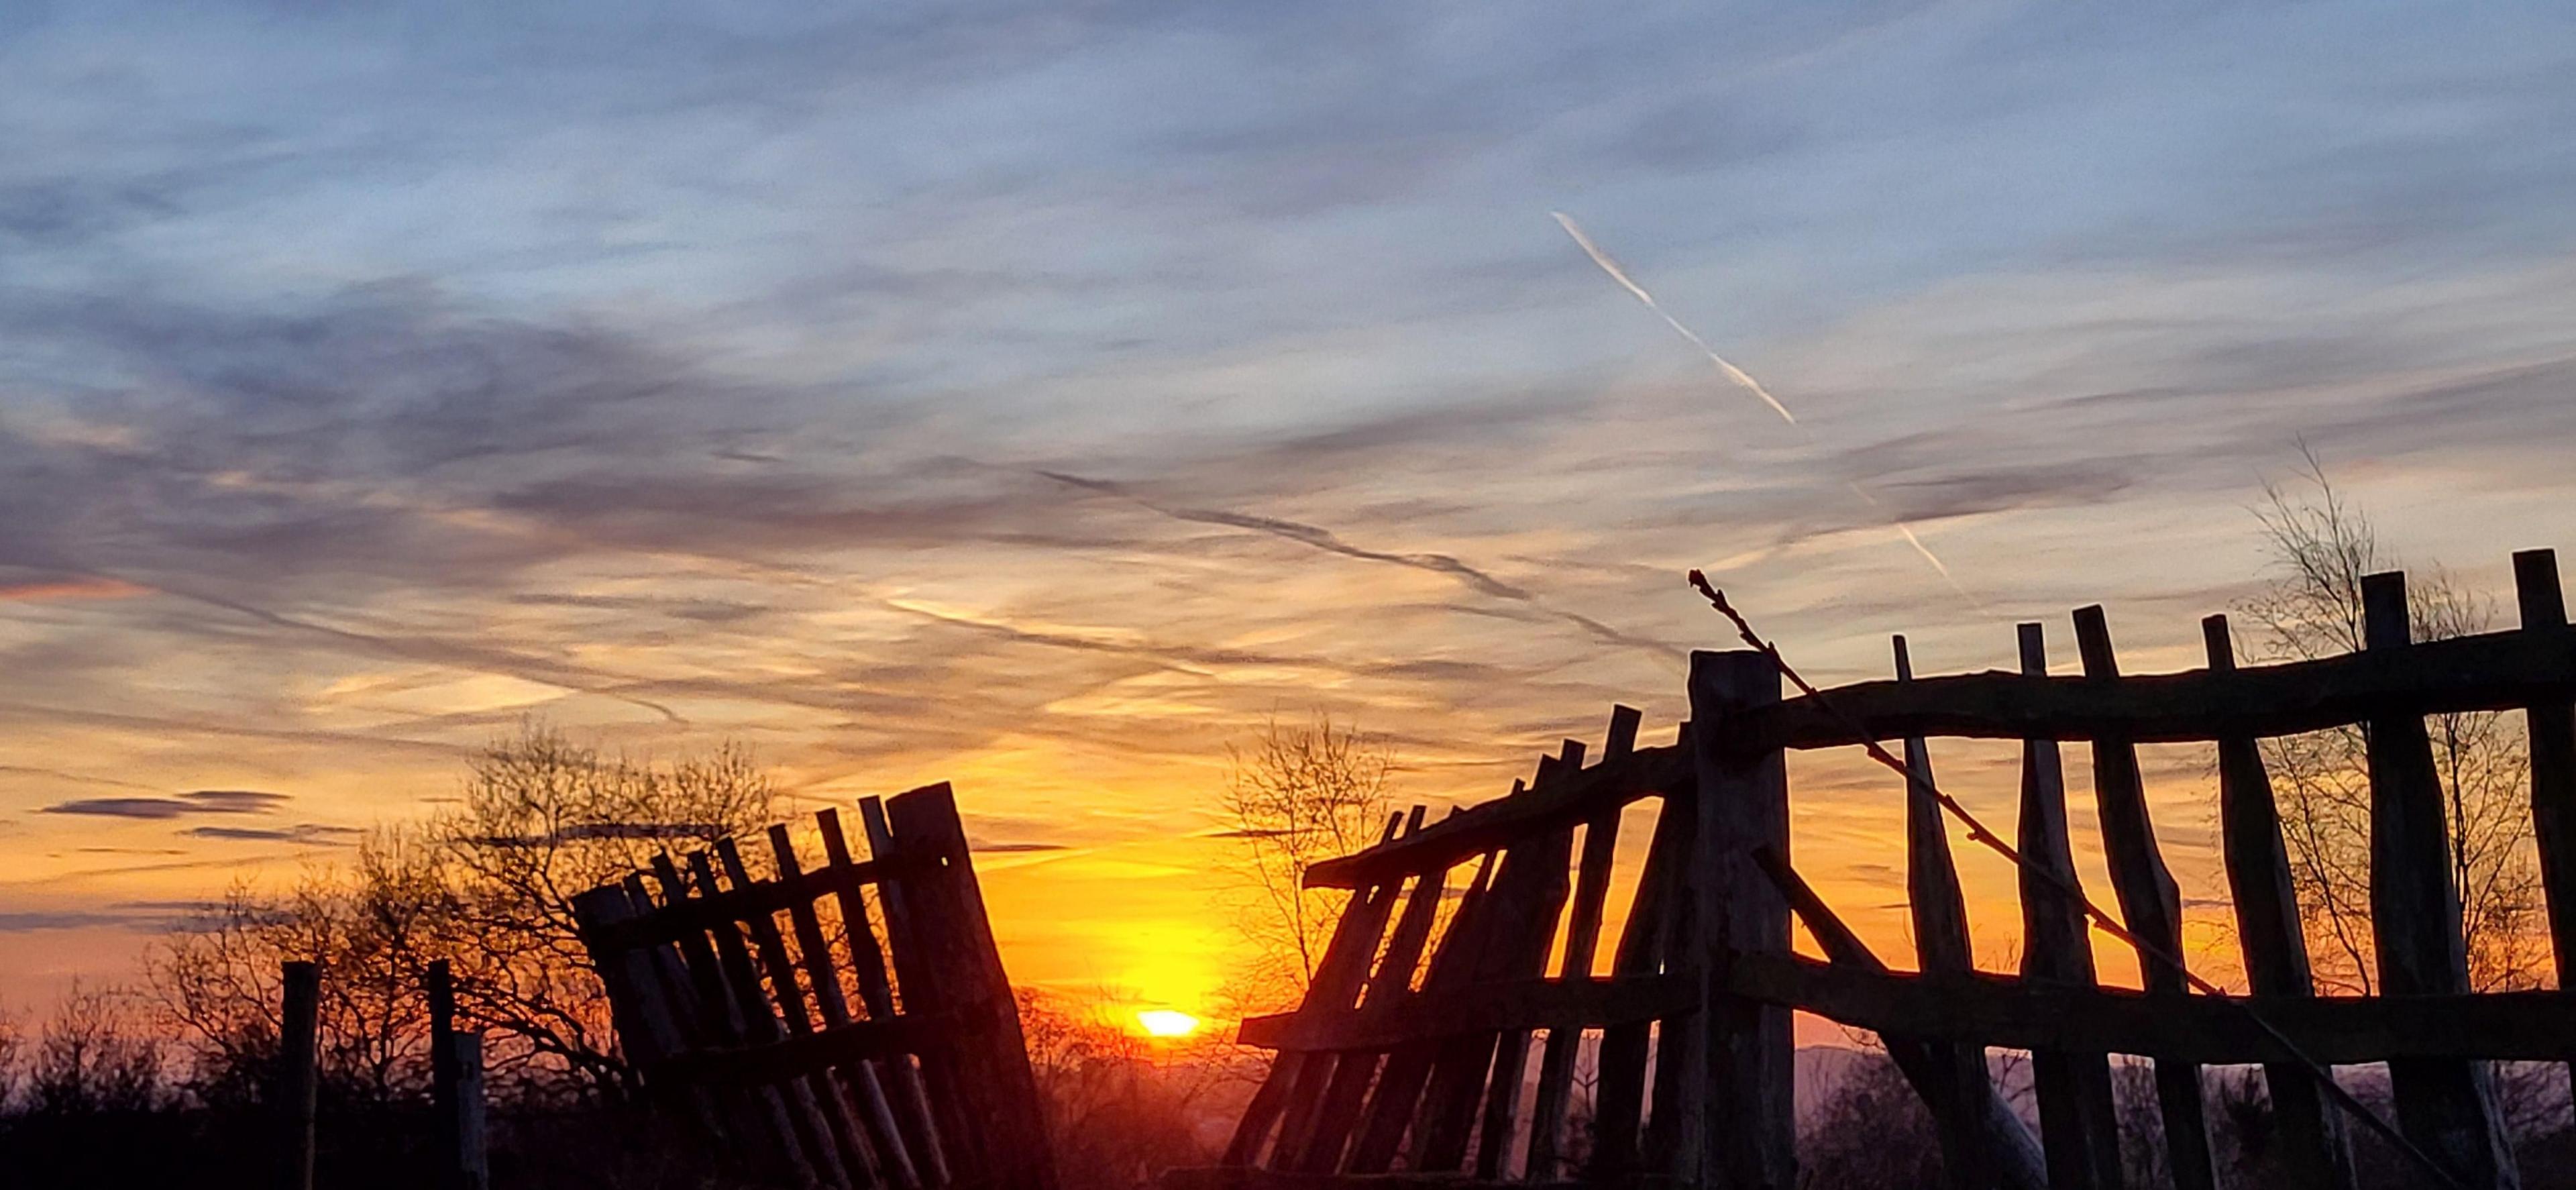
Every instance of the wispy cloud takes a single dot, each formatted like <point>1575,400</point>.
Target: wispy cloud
<point>202,801</point>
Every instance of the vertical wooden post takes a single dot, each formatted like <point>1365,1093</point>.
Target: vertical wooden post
<point>1622,1096</point>
<point>2079,1125</point>
<point>2445,1105</point>
<point>1582,940</point>
<point>461,1117</point>
<point>2150,906</point>
<point>2314,1150</point>
<point>438,985</point>
<point>298,1072</point>
<point>1940,917</point>
<point>1748,1132</point>
<point>2551,728</point>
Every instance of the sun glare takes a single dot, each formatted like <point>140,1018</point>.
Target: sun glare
<point>1165,1022</point>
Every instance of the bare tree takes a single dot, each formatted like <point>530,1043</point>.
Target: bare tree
<point>2322,546</point>
<point>1296,796</point>
<point>485,885</point>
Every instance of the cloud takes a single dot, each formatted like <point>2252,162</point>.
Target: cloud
<point>1013,848</point>
<point>202,801</point>
<point>303,832</point>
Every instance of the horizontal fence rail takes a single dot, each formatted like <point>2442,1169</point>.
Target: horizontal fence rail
<point>1465,984</point>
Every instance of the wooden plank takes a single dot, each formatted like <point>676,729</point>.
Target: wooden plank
<point>2490,672</point>
<point>2551,730</point>
<point>2198,1030</point>
<point>1622,1082</point>
<point>2079,1120</point>
<point>1497,823</point>
<point>1582,939</point>
<point>1354,1070</point>
<point>1396,1101</point>
<point>942,1075</point>
<point>2447,1107</point>
<point>880,1149</point>
<point>915,1150</point>
<point>1477,1008</point>
<point>822,1095</point>
<point>1336,983</point>
<point>2008,1156</point>
<point>2150,906</point>
<point>1749,1127</point>
<point>924,821</point>
<point>298,1072</point>
<point>676,921</point>
<point>753,1119</point>
<point>1526,894</point>
<point>1511,1050</point>
<point>800,1055</point>
<point>760,1026</point>
<point>1939,913</point>
<point>2314,1151</point>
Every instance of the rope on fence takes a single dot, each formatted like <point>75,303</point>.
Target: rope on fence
<point>2101,919</point>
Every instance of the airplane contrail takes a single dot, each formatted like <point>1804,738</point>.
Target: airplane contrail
<point>1745,379</point>
<point>1620,275</point>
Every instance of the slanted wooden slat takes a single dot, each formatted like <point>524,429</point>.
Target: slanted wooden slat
<point>945,1069</point>
<point>1009,1121</point>
<point>1355,1070</point>
<point>1748,1113</point>
<point>2314,1151</point>
<point>2551,730</point>
<point>760,1026</point>
<point>756,1117</point>
<point>880,1147</point>
<point>1940,918</point>
<point>1620,1103</point>
<point>2446,1107</point>
<point>1526,897</point>
<point>2079,1123</point>
<point>1477,830</point>
<point>1511,1050</point>
<point>822,1096</point>
<point>1473,1009</point>
<point>919,1155</point>
<point>1335,984</point>
<point>1582,938</point>
<point>1395,1103</point>
<point>2007,1155</point>
<point>2150,906</point>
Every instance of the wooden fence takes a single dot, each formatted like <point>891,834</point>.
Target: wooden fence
<point>763,1012</point>
<point>1417,1053</point>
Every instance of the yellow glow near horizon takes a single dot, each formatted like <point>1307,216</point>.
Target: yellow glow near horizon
<point>1166,1022</point>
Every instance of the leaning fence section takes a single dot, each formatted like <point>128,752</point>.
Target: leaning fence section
<point>846,1024</point>
<point>1457,1019</point>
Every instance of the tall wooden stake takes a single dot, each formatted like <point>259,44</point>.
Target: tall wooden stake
<point>298,1051</point>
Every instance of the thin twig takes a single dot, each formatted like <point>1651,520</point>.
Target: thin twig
<point>2100,918</point>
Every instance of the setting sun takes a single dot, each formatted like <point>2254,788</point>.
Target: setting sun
<point>1165,1022</point>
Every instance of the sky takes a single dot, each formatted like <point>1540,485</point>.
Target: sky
<point>1041,397</point>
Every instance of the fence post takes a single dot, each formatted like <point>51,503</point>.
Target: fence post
<point>2446,1105</point>
<point>461,1116</point>
<point>2551,727</point>
<point>437,984</point>
<point>1748,1118</point>
<point>1941,947</point>
<point>298,1050</point>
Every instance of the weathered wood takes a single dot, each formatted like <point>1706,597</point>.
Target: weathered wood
<point>2550,727</point>
<point>1335,983</point>
<point>742,904</point>
<point>925,823</point>
<point>1396,1101</point>
<point>298,1074</point>
<point>1474,1009</point>
<point>1620,1105</point>
<point>1496,824</point>
<point>918,1154</point>
<point>1939,912</point>
<point>2007,1155</point>
<point>463,1146</point>
<point>1526,895</point>
<point>2447,1107</point>
<point>1339,1110</point>
<point>761,1026</point>
<point>1511,1049</point>
<point>846,1161</point>
<point>753,1119</point>
<point>2013,1013</point>
<point>2079,1121</point>
<point>1582,939</point>
<point>1748,1111</point>
<point>2314,1151</point>
<point>955,1159</point>
<point>2150,906</point>
<point>880,1148</point>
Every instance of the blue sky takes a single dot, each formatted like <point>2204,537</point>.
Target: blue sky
<point>1048,393</point>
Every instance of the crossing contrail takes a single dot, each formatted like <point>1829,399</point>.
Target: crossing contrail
<point>1620,275</point>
